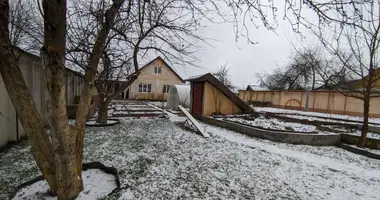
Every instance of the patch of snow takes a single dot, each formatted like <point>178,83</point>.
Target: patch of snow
<point>159,160</point>
<point>375,151</point>
<point>137,105</point>
<point>303,155</point>
<point>157,103</point>
<point>369,134</point>
<point>140,108</point>
<point>93,122</point>
<point>195,77</point>
<point>97,185</point>
<point>312,118</point>
<point>128,195</point>
<point>279,110</point>
<point>136,113</point>
<point>276,124</point>
<point>172,117</point>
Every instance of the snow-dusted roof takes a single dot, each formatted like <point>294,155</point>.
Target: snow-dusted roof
<point>194,77</point>
<point>257,88</point>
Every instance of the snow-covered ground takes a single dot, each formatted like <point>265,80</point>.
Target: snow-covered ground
<point>375,151</point>
<point>97,185</point>
<point>136,112</point>
<point>158,103</point>
<point>159,160</point>
<point>109,121</point>
<point>369,134</point>
<point>276,124</point>
<point>132,108</point>
<point>312,118</point>
<point>278,110</point>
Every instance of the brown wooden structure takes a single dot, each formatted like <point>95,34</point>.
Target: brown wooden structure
<point>210,97</point>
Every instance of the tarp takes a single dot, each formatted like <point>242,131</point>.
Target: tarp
<point>178,95</point>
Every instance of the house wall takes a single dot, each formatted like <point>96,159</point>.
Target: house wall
<point>211,96</point>
<point>319,101</point>
<point>147,76</point>
<point>32,72</point>
<point>74,85</point>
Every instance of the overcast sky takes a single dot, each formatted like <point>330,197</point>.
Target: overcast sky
<point>245,60</point>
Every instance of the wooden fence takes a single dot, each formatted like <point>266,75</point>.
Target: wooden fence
<point>319,101</point>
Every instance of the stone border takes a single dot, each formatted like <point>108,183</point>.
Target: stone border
<point>323,117</point>
<point>354,139</point>
<point>372,127</point>
<point>85,166</point>
<point>117,121</point>
<point>358,151</point>
<point>285,137</point>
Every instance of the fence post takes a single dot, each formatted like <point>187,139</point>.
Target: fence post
<point>328,103</point>
<point>307,98</point>
<point>345,104</point>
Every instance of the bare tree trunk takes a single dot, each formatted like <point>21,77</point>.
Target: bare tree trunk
<point>18,92</point>
<point>89,78</point>
<point>364,130</point>
<point>103,108</point>
<point>69,179</point>
<point>103,113</point>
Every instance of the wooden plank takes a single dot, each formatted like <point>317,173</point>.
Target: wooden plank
<point>195,123</point>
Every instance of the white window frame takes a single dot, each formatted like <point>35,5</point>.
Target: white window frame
<point>157,70</point>
<point>145,88</point>
<point>165,91</point>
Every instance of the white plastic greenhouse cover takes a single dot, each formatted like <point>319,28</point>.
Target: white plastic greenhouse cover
<point>178,95</point>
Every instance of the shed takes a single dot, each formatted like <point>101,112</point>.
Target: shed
<point>209,97</point>
<point>178,95</point>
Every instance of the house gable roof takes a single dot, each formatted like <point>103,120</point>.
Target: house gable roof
<point>34,56</point>
<point>165,63</point>
<point>222,88</point>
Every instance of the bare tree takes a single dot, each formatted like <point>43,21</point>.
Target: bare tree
<point>280,79</point>
<point>25,25</point>
<point>59,156</point>
<point>354,44</point>
<point>167,27</point>
<point>307,67</point>
<point>223,75</point>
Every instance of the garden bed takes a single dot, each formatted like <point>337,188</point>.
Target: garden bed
<point>273,124</point>
<point>292,137</point>
<point>315,114</point>
<point>158,160</point>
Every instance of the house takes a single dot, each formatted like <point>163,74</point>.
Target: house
<point>154,81</point>
<point>208,96</point>
<point>31,69</point>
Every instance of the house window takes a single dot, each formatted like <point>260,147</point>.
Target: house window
<point>157,70</point>
<point>166,88</point>
<point>145,88</point>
